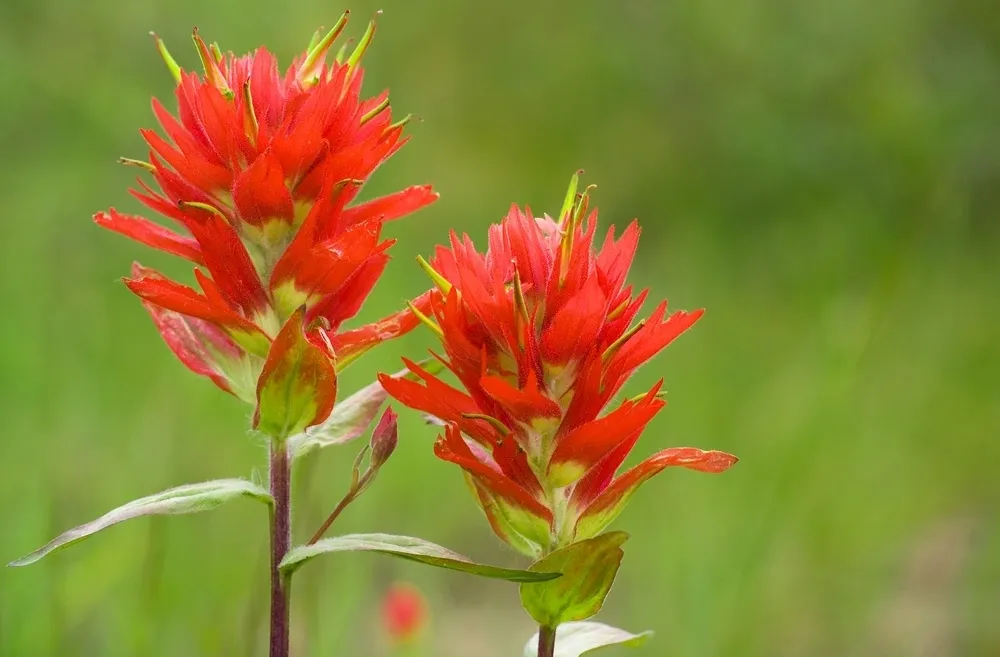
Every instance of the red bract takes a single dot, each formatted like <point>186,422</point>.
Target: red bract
<point>259,170</point>
<point>540,332</point>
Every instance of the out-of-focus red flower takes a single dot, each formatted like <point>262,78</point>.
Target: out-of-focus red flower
<point>404,612</point>
<point>540,331</point>
<point>258,170</point>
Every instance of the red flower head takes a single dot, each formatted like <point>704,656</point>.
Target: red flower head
<point>259,170</point>
<point>539,331</point>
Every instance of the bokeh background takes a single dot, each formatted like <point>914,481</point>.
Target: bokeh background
<point>823,177</point>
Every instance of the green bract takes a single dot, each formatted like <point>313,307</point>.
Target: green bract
<point>588,567</point>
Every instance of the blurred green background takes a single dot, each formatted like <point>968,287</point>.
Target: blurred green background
<point>823,177</point>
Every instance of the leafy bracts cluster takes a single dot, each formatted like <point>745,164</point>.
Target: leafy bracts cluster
<point>259,170</point>
<point>539,330</point>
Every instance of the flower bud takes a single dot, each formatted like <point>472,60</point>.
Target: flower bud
<point>384,439</point>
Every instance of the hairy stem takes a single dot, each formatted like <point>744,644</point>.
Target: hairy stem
<point>280,538</point>
<point>546,641</point>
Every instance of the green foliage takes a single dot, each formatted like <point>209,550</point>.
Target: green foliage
<point>588,570</point>
<point>413,549</point>
<point>191,498</point>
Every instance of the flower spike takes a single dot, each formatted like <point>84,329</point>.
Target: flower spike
<point>541,331</point>
<point>259,169</point>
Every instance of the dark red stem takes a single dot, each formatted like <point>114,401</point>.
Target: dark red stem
<point>546,641</point>
<point>280,538</point>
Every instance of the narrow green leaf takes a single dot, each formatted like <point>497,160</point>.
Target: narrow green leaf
<point>191,498</point>
<point>588,567</point>
<point>407,547</point>
<point>350,417</point>
<point>576,639</point>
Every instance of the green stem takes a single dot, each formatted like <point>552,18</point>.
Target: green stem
<point>546,641</point>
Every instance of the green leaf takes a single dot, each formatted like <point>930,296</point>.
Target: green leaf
<point>588,567</point>
<point>576,639</point>
<point>350,417</point>
<point>191,498</point>
<point>407,547</point>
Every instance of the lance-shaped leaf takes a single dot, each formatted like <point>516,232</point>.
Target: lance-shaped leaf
<point>413,549</point>
<point>191,498</point>
<point>588,567</point>
<point>576,639</point>
<point>298,384</point>
<point>350,417</point>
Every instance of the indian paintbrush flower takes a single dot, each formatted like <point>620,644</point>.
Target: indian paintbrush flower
<point>539,330</point>
<point>259,172</point>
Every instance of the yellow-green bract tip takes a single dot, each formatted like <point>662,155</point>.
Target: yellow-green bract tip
<point>431,324</point>
<point>171,63</point>
<point>318,50</point>
<point>213,74</point>
<point>568,202</point>
<point>440,281</point>
<point>362,46</point>
<point>375,111</point>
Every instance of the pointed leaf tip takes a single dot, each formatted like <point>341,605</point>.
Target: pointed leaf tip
<point>191,498</point>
